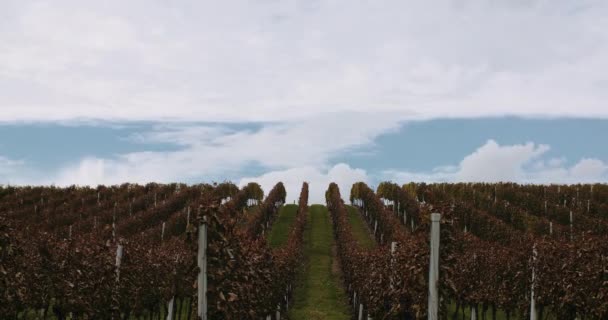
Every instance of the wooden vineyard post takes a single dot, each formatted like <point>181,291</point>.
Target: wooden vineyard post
<point>162,233</point>
<point>188,218</point>
<point>114,223</point>
<point>433,307</point>
<point>393,249</point>
<point>202,264</point>
<point>571,231</point>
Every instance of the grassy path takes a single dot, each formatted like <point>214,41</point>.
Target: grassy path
<point>359,228</point>
<point>319,294</point>
<point>280,228</point>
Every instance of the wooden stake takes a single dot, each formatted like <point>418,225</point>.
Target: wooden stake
<point>202,276</point>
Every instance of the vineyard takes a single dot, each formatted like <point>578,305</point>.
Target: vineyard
<point>214,251</point>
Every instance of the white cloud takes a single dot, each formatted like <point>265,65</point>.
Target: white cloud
<point>211,151</point>
<point>287,60</point>
<point>589,169</point>
<point>493,162</point>
<point>318,181</point>
<point>517,163</point>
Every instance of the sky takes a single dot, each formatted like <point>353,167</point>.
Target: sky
<point>111,91</point>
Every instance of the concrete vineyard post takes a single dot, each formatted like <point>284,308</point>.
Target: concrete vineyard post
<point>532,300</point>
<point>171,304</point>
<point>162,233</point>
<point>202,264</point>
<point>433,300</point>
<point>170,309</point>
<point>360,311</point>
<point>119,252</point>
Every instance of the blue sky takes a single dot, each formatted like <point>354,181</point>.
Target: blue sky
<point>414,145</point>
<point>429,150</point>
<point>318,90</point>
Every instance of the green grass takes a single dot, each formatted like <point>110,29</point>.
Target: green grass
<point>467,313</point>
<point>319,294</point>
<point>500,315</point>
<point>32,314</point>
<point>359,229</point>
<point>280,228</point>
